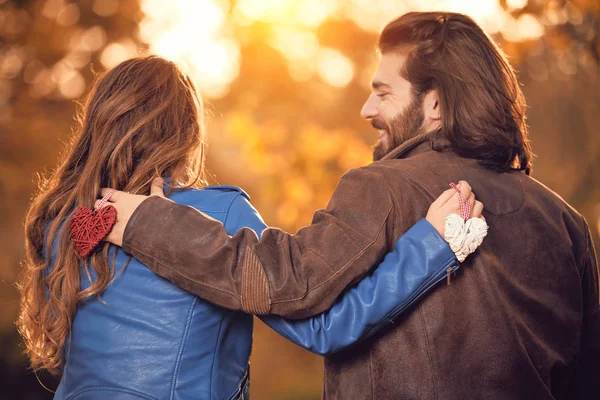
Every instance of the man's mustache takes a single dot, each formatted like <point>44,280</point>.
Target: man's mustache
<point>378,124</point>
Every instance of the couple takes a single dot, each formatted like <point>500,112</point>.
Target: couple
<point>521,319</point>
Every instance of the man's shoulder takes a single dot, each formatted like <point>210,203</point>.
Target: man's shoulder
<point>400,169</point>
<point>548,196</point>
<point>408,172</point>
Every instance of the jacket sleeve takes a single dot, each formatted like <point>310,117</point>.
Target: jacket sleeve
<point>295,276</point>
<point>584,382</point>
<point>419,260</point>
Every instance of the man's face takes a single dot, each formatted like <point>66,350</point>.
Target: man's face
<point>393,111</point>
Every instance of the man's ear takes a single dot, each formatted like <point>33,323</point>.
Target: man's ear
<point>431,106</point>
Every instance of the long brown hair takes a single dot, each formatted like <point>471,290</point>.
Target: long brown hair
<point>143,119</point>
<point>482,106</point>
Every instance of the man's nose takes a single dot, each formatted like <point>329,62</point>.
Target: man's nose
<point>369,109</point>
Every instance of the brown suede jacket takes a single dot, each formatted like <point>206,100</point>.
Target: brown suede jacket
<point>520,321</point>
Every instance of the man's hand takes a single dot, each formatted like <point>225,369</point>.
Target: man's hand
<point>126,204</point>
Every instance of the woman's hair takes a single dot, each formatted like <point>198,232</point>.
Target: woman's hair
<point>142,120</point>
<point>482,106</point>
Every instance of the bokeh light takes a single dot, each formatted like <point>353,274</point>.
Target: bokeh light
<point>197,35</point>
<point>189,32</point>
<point>105,8</point>
<point>117,52</point>
<point>334,68</point>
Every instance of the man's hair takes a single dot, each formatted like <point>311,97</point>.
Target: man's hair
<point>481,103</point>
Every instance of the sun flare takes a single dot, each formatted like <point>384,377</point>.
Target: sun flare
<point>198,35</point>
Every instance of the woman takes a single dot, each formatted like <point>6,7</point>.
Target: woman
<point>111,327</point>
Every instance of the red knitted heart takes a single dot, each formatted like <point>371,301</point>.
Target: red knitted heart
<point>88,227</point>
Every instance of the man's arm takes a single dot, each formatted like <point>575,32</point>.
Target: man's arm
<point>420,259</point>
<point>290,275</point>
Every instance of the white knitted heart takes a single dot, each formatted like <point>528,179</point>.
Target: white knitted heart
<point>464,237</point>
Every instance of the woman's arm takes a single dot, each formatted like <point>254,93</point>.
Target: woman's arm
<point>420,259</point>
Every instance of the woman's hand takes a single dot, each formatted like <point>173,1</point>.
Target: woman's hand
<point>449,203</point>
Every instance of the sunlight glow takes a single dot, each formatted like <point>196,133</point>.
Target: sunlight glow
<point>41,84</point>
<point>288,12</point>
<point>52,8</point>
<point>73,87</point>
<point>91,40</point>
<point>334,67</point>
<point>516,4</point>
<point>105,8</point>
<point>200,35</point>
<point>295,44</point>
<point>314,12</point>
<point>11,64</point>
<point>527,27</point>
<point>189,33</point>
<point>488,13</point>
<point>117,52</point>
<point>68,15</point>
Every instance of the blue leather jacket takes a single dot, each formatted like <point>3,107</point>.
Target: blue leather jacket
<point>148,339</point>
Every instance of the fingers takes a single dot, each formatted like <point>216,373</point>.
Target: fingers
<point>99,204</point>
<point>465,189</point>
<point>156,189</point>
<point>444,198</point>
<point>471,202</point>
<point>452,194</point>
<point>115,197</point>
<point>477,210</point>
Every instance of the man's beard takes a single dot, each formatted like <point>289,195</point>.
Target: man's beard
<point>406,125</point>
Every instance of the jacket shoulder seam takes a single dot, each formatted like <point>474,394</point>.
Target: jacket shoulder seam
<point>229,188</point>
<point>227,212</point>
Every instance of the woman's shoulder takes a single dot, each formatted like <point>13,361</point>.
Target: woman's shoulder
<point>215,201</point>
<point>228,204</point>
<point>232,190</point>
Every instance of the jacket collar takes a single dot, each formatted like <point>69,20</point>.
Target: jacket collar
<point>488,182</point>
<point>433,141</point>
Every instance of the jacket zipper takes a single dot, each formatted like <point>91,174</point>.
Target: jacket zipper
<point>240,388</point>
<point>443,274</point>
<point>235,396</point>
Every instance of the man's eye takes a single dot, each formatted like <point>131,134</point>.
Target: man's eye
<point>381,95</point>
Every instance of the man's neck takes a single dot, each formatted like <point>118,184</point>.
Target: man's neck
<point>405,148</point>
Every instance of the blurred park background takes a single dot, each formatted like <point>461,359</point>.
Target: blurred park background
<point>283,81</point>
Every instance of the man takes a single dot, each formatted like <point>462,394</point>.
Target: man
<point>523,321</point>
